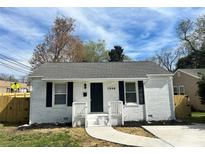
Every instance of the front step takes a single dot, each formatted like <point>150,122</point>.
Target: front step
<point>97,119</point>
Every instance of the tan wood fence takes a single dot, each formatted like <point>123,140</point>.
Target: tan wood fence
<point>20,95</point>
<point>182,107</point>
<point>14,108</point>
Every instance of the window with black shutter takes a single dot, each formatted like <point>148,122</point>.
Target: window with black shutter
<point>69,93</point>
<point>49,94</point>
<point>141,92</point>
<point>121,91</point>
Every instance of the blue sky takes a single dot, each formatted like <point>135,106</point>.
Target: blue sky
<point>140,31</point>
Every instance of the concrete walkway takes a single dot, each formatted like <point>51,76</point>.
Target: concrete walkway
<point>183,135</point>
<point>112,135</point>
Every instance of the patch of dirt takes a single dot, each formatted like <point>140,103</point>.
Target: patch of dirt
<point>151,123</point>
<point>135,131</point>
<point>88,141</point>
<point>7,129</point>
<point>43,126</point>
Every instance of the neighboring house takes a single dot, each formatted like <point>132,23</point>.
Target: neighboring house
<point>185,83</point>
<point>59,90</point>
<point>5,87</point>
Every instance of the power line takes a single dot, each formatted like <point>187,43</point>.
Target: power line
<point>14,60</point>
<point>10,60</point>
<point>12,53</point>
<point>13,68</point>
<point>5,61</point>
<point>14,64</point>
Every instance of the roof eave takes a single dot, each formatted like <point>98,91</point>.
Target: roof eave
<point>160,75</point>
<point>187,73</point>
<point>91,79</point>
<point>33,76</point>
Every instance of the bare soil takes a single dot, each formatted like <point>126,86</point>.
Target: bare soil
<point>135,131</point>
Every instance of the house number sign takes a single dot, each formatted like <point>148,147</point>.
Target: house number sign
<point>110,88</point>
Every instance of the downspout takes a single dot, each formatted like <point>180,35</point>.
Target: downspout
<point>172,98</point>
<point>145,105</point>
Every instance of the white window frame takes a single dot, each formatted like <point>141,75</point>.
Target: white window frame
<point>136,90</point>
<point>53,93</point>
<point>180,90</point>
<point>177,89</point>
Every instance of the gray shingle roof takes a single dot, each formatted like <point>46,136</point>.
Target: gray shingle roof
<point>194,72</point>
<point>98,70</point>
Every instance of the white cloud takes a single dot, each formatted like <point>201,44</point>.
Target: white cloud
<point>19,27</point>
<point>140,31</point>
<point>96,30</point>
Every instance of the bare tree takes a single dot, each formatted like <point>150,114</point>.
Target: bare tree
<point>192,36</point>
<point>192,33</point>
<point>59,45</point>
<point>8,77</point>
<point>167,58</point>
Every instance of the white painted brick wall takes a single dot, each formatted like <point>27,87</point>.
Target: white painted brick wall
<point>158,99</point>
<point>110,94</point>
<point>39,113</point>
<point>134,113</point>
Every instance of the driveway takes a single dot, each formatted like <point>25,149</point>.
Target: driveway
<point>186,135</point>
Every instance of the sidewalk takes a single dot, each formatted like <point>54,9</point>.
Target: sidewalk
<point>112,135</point>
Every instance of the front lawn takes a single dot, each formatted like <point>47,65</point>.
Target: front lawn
<point>197,117</point>
<point>52,137</point>
<point>11,137</point>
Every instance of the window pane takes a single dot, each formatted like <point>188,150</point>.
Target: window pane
<point>176,90</point>
<point>130,86</point>
<point>60,99</point>
<point>131,97</point>
<point>181,89</point>
<point>60,88</point>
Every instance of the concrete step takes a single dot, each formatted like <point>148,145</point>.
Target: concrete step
<point>97,114</point>
<point>99,119</point>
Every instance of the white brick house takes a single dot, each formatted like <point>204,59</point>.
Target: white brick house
<point>101,93</point>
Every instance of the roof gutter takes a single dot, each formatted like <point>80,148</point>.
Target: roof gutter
<point>91,79</point>
<point>35,76</point>
<point>160,75</point>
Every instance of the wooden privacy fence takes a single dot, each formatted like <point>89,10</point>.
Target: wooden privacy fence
<point>20,95</point>
<point>14,108</point>
<point>182,107</point>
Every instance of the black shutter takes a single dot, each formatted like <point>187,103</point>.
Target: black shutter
<point>70,93</point>
<point>141,92</point>
<point>49,94</point>
<point>121,91</point>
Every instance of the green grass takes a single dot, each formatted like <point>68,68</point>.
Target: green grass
<point>198,114</point>
<point>197,117</point>
<point>9,137</point>
<point>49,136</point>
